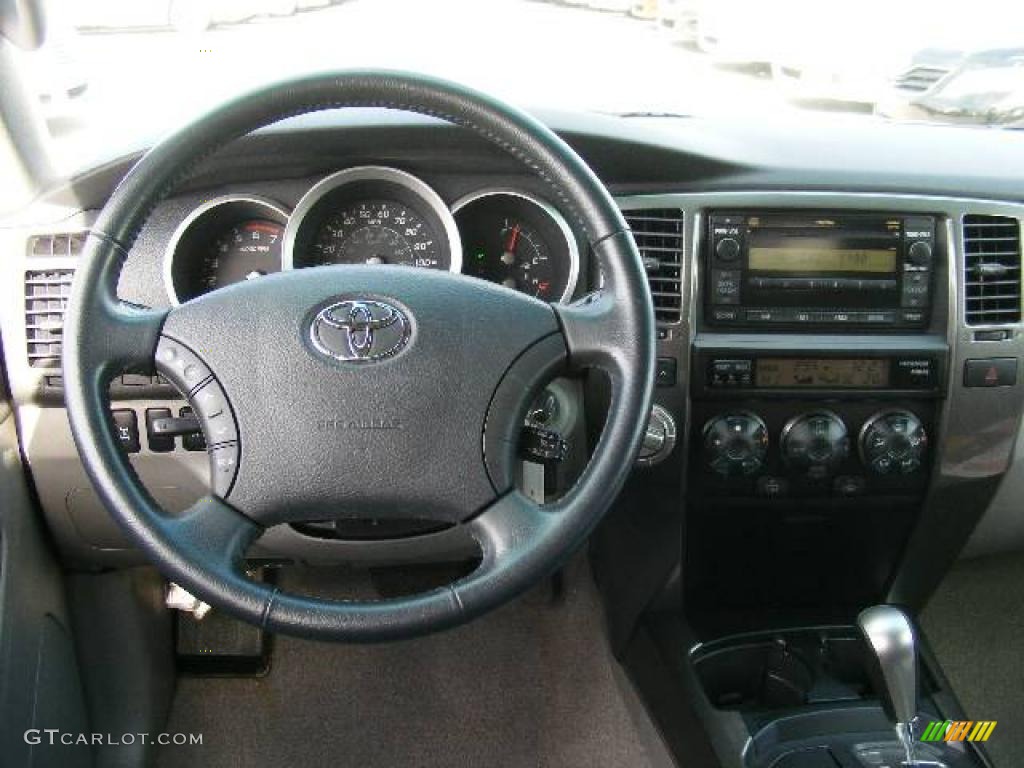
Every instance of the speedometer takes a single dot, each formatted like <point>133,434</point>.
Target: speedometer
<point>372,215</point>
<point>378,232</point>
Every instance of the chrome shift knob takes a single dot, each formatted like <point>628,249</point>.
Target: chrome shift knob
<point>887,630</point>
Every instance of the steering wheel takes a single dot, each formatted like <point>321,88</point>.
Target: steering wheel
<point>369,391</point>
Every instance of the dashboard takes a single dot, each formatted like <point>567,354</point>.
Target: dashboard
<point>838,328</point>
<point>375,215</point>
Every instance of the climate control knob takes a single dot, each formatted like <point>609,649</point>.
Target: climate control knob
<point>815,443</point>
<point>893,442</point>
<point>735,443</point>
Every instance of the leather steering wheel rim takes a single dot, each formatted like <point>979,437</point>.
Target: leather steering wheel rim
<point>203,549</point>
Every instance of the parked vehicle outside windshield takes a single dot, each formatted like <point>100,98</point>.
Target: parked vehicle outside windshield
<point>123,72</point>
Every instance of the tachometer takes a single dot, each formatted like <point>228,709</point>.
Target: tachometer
<point>224,241</point>
<point>372,215</point>
<point>519,242</point>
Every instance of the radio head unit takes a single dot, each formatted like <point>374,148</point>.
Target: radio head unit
<point>863,270</point>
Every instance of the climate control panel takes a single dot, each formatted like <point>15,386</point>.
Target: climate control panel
<point>793,450</point>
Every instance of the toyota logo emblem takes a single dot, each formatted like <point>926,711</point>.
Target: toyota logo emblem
<point>360,330</point>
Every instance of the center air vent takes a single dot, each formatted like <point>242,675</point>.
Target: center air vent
<point>659,236</point>
<point>46,296</point>
<point>992,263</point>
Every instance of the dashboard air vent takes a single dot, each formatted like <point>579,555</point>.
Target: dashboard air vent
<point>920,78</point>
<point>56,245</point>
<point>659,236</point>
<point>992,264</point>
<point>46,296</point>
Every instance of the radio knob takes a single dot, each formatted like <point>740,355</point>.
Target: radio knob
<point>893,443</point>
<point>815,443</point>
<point>920,254</point>
<point>735,444</point>
<point>728,249</point>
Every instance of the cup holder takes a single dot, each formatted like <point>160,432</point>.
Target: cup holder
<point>783,670</point>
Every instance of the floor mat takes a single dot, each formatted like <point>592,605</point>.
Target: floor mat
<point>975,624</point>
<point>529,685</point>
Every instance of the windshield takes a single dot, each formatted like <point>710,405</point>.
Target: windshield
<point>123,72</point>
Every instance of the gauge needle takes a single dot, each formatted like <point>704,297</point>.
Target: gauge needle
<point>509,256</point>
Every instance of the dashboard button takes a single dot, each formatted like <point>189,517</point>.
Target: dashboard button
<point>665,372</point>
<point>772,487</point>
<point>991,372</point>
<point>725,286</point>
<point>849,485</point>
<point>126,427</point>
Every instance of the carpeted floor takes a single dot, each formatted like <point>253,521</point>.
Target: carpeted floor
<point>530,685</point>
<point>975,624</point>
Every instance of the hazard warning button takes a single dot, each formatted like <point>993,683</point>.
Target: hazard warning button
<point>991,372</point>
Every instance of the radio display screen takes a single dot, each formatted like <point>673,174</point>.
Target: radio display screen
<point>802,256</point>
<point>794,373</point>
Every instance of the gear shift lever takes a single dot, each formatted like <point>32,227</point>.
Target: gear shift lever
<point>894,665</point>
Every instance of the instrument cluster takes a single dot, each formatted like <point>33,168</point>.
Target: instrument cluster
<point>376,215</point>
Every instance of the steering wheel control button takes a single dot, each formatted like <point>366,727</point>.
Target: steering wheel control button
<point>223,467</point>
<point>161,439</point>
<point>126,427</point>
<point>991,372</point>
<point>735,444</point>
<point>893,442</point>
<point>214,413</point>
<point>180,365</point>
<point>815,443</point>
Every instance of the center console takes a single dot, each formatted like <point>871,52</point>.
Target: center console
<point>818,369</point>
<point>828,374</point>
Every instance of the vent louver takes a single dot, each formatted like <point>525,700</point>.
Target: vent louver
<point>46,296</point>
<point>659,236</point>
<point>56,245</point>
<point>992,266</point>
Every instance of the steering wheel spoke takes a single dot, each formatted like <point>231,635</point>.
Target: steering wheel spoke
<point>214,531</point>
